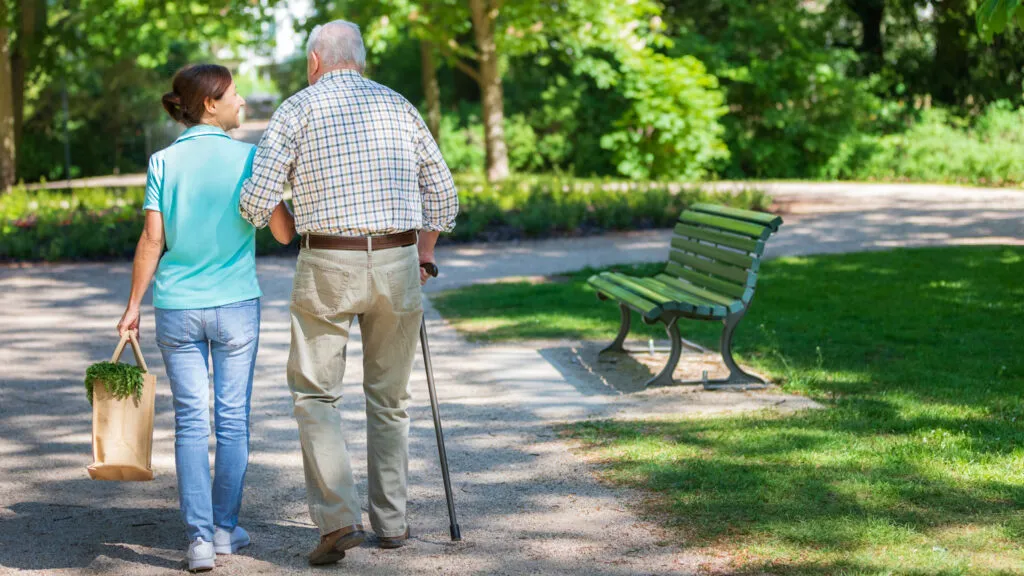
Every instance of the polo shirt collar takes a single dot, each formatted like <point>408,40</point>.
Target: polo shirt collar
<point>200,130</point>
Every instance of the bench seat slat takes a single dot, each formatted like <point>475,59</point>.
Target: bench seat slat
<point>731,304</point>
<point>714,284</point>
<point>634,285</point>
<point>645,307</point>
<point>756,231</point>
<point>720,254</point>
<point>694,304</point>
<point>736,275</point>
<point>680,302</point>
<point>721,238</point>
<point>698,291</point>
<point>770,220</point>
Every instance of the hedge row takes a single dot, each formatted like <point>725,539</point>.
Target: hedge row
<point>99,224</point>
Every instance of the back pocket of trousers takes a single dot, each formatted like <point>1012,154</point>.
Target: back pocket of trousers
<point>404,283</point>
<point>319,290</point>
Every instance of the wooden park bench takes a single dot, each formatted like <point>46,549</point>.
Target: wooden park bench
<point>711,275</point>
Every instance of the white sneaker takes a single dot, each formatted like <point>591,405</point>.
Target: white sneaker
<point>225,542</point>
<point>200,555</point>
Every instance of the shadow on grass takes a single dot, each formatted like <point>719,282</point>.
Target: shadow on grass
<point>916,353</point>
<point>818,486</point>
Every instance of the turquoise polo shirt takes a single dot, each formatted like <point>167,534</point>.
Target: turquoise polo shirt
<point>211,251</point>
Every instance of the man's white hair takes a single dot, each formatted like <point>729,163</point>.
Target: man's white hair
<point>336,43</point>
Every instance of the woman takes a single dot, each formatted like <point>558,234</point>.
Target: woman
<point>207,300</point>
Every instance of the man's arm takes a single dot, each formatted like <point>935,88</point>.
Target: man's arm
<point>282,224</point>
<point>272,166</point>
<point>440,198</point>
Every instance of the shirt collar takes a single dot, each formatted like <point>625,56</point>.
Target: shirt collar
<point>201,130</point>
<point>344,74</point>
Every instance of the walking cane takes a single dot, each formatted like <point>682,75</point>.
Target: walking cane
<point>453,527</point>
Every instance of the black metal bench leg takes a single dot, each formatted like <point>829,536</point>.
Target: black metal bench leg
<point>737,377</point>
<point>664,378</point>
<point>617,345</point>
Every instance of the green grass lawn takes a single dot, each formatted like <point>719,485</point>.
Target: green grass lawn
<point>916,466</point>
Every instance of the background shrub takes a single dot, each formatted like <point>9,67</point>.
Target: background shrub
<point>97,224</point>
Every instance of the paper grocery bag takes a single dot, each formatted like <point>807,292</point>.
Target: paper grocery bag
<point>122,430</point>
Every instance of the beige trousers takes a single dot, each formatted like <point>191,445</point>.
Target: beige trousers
<point>332,287</point>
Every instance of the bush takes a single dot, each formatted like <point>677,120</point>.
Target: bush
<point>88,224</point>
<point>671,128</point>
<point>940,147</point>
<point>793,97</point>
<point>95,224</point>
<point>462,143</point>
<point>541,206</point>
<point>85,224</point>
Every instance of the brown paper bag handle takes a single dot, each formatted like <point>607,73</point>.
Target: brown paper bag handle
<point>136,349</point>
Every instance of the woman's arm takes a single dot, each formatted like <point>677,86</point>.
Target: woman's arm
<point>147,256</point>
<point>282,224</point>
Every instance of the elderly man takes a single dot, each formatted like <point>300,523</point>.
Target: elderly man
<point>367,180</point>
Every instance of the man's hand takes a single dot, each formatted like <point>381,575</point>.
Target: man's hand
<point>426,258</point>
<point>427,240</point>
<point>130,321</point>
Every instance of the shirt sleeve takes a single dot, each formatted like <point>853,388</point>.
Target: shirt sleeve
<point>440,198</point>
<point>272,166</point>
<point>154,184</point>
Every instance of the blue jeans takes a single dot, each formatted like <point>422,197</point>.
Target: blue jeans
<point>186,339</point>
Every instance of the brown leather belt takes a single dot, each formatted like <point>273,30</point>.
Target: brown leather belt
<point>361,243</point>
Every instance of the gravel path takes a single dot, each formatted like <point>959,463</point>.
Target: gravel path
<point>527,505</point>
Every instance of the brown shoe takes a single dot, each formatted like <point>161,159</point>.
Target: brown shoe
<point>332,546</point>
<point>390,542</point>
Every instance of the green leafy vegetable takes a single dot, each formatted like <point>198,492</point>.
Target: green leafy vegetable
<point>121,380</point>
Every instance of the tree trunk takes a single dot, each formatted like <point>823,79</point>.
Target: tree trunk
<point>872,49</point>
<point>32,15</point>
<point>431,89</point>
<point>7,150</point>
<point>490,90</point>
<point>952,61</point>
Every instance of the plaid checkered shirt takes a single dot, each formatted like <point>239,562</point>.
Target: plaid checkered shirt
<point>360,161</point>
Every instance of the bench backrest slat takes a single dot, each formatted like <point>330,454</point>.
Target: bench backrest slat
<point>761,218</point>
<point>729,240</point>
<point>738,259</point>
<point>724,271</point>
<point>725,224</point>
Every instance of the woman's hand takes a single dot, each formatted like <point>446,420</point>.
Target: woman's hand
<point>130,321</point>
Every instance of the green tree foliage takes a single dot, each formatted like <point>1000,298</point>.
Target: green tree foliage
<point>993,16</point>
<point>115,58</point>
<point>666,124</point>
<point>670,129</point>
<point>793,98</point>
<point>653,89</point>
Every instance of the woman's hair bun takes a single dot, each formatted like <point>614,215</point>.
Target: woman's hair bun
<point>172,103</point>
